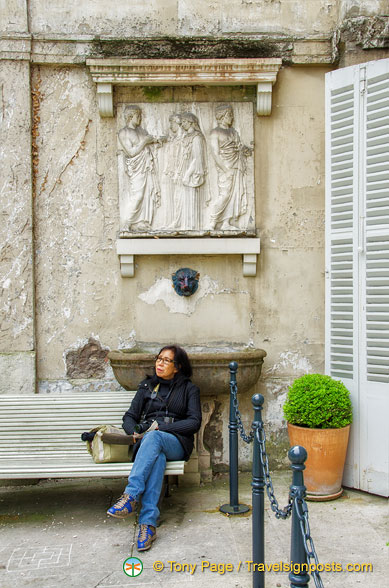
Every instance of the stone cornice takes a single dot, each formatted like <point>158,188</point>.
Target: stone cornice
<point>15,47</point>
<point>59,49</point>
<point>184,72</point>
<point>151,72</point>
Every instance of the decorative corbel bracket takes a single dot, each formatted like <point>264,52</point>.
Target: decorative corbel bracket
<point>264,93</point>
<point>104,98</point>
<point>107,73</point>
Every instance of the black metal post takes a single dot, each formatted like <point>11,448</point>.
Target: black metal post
<point>258,500</point>
<point>234,507</point>
<point>299,576</point>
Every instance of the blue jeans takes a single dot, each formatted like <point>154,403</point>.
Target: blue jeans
<point>147,473</point>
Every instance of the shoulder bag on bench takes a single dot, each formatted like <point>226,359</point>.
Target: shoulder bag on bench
<point>110,445</point>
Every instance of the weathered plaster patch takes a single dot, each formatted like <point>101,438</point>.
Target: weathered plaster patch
<point>368,32</point>
<point>129,342</point>
<point>22,326</point>
<point>276,394</point>
<point>277,447</point>
<point>15,303</point>
<point>88,360</point>
<point>162,290</point>
<point>290,360</point>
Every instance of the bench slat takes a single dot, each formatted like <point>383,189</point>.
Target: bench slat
<point>40,435</point>
<point>31,422</point>
<point>52,469</point>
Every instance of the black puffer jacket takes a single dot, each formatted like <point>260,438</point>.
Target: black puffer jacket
<point>183,405</point>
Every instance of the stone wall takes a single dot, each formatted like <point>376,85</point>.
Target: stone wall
<point>17,344</point>
<point>64,303</point>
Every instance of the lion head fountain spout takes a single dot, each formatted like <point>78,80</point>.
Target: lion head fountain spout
<point>185,281</point>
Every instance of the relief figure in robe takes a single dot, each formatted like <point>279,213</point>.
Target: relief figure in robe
<point>173,156</point>
<point>141,169</point>
<point>190,193</point>
<point>230,156</point>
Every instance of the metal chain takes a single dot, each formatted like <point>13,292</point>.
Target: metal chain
<point>302,514</point>
<point>261,437</point>
<point>287,510</point>
<point>234,391</point>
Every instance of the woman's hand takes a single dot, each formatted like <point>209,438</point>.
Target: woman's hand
<point>137,436</point>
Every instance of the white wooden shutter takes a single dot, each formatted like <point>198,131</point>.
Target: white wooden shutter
<point>342,184</point>
<point>357,261</point>
<point>374,383</point>
<point>377,223</point>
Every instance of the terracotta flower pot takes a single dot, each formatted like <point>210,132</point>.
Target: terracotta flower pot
<point>326,450</point>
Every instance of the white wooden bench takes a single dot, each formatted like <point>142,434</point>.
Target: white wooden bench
<point>40,435</point>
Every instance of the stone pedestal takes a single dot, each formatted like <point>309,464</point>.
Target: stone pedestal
<point>198,468</point>
<point>192,475</point>
<point>207,409</point>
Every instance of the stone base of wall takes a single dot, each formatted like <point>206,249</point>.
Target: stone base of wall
<point>80,386</point>
<point>17,373</point>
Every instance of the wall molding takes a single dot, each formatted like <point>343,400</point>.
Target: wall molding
<point>107,73</point>
<point>128,248</point>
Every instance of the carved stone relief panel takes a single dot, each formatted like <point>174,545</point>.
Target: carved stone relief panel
<point>186,169</point>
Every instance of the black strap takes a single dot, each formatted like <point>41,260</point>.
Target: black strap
<point>152,397</point>
<point>169,396</point>
<point>117,439</point>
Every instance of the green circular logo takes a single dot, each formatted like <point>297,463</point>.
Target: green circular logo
<point>132,567</point>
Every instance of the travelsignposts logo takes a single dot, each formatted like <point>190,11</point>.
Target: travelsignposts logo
<point>132,567</point>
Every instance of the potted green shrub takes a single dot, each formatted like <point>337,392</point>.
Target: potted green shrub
<point>319,413</point>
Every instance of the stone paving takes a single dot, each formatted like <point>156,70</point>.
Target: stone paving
<point>56,534</point>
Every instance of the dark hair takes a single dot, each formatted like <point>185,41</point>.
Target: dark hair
<point>181,359</point>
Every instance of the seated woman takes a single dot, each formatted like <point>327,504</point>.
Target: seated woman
<point>170,403</point>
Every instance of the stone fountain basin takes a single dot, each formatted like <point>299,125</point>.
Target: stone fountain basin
<point>210,368</point>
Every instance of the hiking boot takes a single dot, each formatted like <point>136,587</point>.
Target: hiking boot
<point>124,507</point>
<point>147,534</point>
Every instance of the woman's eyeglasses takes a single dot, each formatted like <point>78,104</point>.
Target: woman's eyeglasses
<point>164,360</point>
